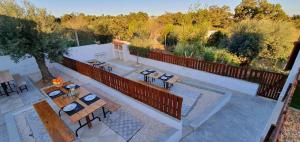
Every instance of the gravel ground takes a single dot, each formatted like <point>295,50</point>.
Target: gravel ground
<point>291,126</point>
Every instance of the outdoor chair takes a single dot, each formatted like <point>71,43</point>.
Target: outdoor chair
<point>20,83</point>
<point>109,68</point>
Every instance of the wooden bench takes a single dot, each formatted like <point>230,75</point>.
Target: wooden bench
<point>110,105</point>
<point>57,129</point>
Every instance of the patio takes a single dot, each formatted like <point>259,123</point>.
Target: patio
<point>209,112</point>
<point>238,113</point>
<point>30,127</point>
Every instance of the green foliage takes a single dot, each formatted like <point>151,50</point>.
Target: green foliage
<point>259,9</point>
<point>263,38</point>
<point>218,39</point>
<point>246,45</point>
<point>139,51</point>
<point>220,56</point>
<point>33,33</point>
<point>210,56</point>
<point>269,64</point>
<point>30,33</point>
<point>296,98</point>
<point>192,49</point>
<point>125,27</point>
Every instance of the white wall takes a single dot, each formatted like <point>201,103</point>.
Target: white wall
<point>87,52</point>
<point>81,53</point>
<point>26,66</point>
<point>217,80</point>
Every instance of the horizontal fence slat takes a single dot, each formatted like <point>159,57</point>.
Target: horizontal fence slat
<point>270,83</point>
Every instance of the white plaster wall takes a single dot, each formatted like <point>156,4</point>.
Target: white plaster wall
<point>217,80</point>
<point>81,53</point>
<point>26,66</point>
<point>87,52</point>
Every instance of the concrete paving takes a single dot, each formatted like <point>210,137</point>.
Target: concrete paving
<point>242,119</point>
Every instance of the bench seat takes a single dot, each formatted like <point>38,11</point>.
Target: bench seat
<point>57,129</point>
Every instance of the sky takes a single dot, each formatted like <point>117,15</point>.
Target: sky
<point>152,7</point>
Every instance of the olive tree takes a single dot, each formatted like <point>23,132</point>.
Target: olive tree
<point>27,32</point>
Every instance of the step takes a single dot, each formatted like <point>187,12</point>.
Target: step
<point>210,111</point>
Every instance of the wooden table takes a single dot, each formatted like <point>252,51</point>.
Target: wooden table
<point>5,77</point>
<point>102,65</point>
<point>88,110</point>
<point>157,75</point>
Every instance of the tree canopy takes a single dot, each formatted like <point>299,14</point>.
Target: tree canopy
<point>27,32</point>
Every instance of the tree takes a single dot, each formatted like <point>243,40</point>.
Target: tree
<point>30,33</point>
<point>262,38</point>
<point>76,23</point>
<point>259,9</point>
<point>245,10</point>
<point>246,41</point>
<point>220,17</point>
<point>246,45</point>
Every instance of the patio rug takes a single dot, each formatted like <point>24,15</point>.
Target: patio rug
<point>123,124</point>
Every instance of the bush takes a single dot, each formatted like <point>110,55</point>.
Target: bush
<point>220,56</point>
<point>218,39</point>
<point>139,51</point>
<point>194,49</point>
<point>210,56</point>
<point>246,45</point>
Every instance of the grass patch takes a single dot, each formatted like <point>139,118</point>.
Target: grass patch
<point>296,98</point>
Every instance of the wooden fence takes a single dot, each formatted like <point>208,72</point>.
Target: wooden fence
<point>270,84</point>
<point>274,135</point>
<point>161,100</point>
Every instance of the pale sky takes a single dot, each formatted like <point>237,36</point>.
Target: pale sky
<point>152,7</point>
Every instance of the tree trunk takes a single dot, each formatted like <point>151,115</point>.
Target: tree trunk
<point>76,36</point>
<point>46,75</point>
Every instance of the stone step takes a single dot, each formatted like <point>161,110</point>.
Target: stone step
<point>210,111</point>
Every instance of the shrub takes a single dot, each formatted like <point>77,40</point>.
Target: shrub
<point>221,56</point>
<point>210,56</point>
<point>217,39</point>
<point>194,49</point>
<point>139,51</point>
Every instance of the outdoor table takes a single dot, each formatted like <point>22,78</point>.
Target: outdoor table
<point>86,110</point>
<point>99,64</point>
<point>170,80</point>
<point>5,77</point>
<point>146,73</point>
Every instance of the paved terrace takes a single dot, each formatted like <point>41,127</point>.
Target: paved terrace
<point>21,121</point>
<point>240,118</point>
